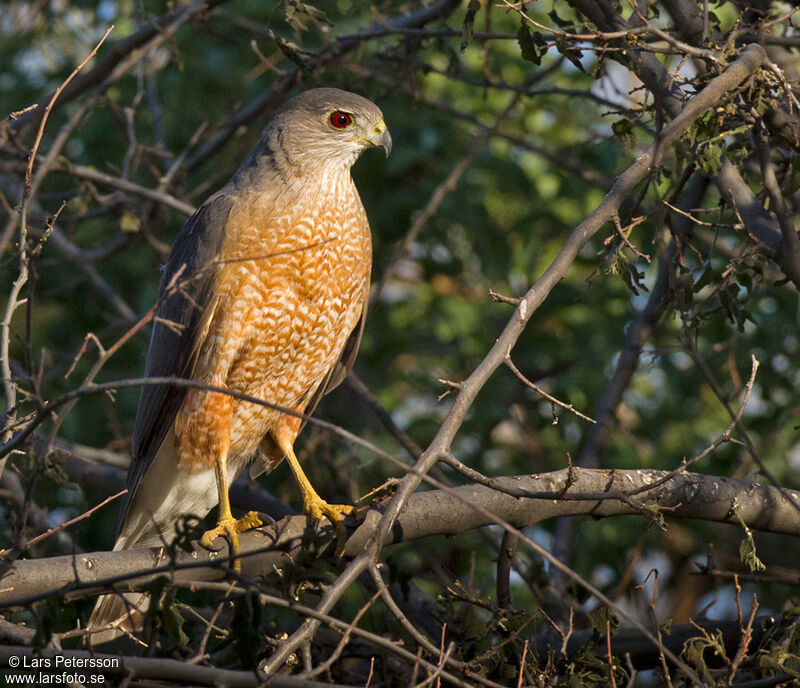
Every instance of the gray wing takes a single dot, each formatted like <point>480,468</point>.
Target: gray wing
<point>179,325</point>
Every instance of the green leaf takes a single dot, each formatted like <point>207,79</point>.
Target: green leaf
<point>634,279</point>
<point>704,280</point>
<point>562,23</point>
<point>572,54</point>
<point>623,130</point>
<point>468,29</point>
<point>780,661</point>
<point>130,223</point>
<point>52,466</point>
<point>694,653</point>
<point>172,621</point>
<point>605,620</point>
<point>728,305</point>
<point>626,277</point>
<point>709,158</point>
<point>747,547</point>
<point>747,553</point>
<point>527,45</point>
<point>300,14</point>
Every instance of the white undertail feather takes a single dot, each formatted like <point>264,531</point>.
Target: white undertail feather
<point>167,492</point>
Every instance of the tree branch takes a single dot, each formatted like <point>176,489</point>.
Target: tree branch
<point>598,493</point>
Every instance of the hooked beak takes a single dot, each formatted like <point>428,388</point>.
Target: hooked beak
<point>381,138</point>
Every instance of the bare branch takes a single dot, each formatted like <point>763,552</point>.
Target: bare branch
<point>549,397</point>
<point>446,511</point>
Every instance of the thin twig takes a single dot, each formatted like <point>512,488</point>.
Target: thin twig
<point>384,643</point>
<point>522,664</point>
<point>623,234</point>
<point>594,36</point>
<point>67,524</point>
<point>549,397</point>
<point>200,655</point>
<point>328,663</point>
<point>13,301</point>
<point>388,600</point>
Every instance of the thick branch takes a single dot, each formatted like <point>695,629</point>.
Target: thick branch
<point>599,493</point>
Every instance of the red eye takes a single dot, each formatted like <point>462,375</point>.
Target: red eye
<point>341,120</point>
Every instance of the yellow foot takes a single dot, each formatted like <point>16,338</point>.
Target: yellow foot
<point>229,528</point>
<point>316,507</point>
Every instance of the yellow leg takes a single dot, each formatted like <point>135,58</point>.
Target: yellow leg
<point>313,505</point>
<point>227,525</point>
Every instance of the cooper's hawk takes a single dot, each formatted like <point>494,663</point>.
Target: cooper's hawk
<point>264,294</point>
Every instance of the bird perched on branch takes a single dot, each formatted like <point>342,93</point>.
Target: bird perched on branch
<point>264,294</point>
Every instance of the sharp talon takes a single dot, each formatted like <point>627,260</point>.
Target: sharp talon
<point>225,528</point>
<point>229,528</point>
<point>333,512</point>
<point>208,538</point>
<point>317,508</point>
<point>249,521</point>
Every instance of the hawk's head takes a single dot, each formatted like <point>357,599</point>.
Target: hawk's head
<point>327,126</point>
